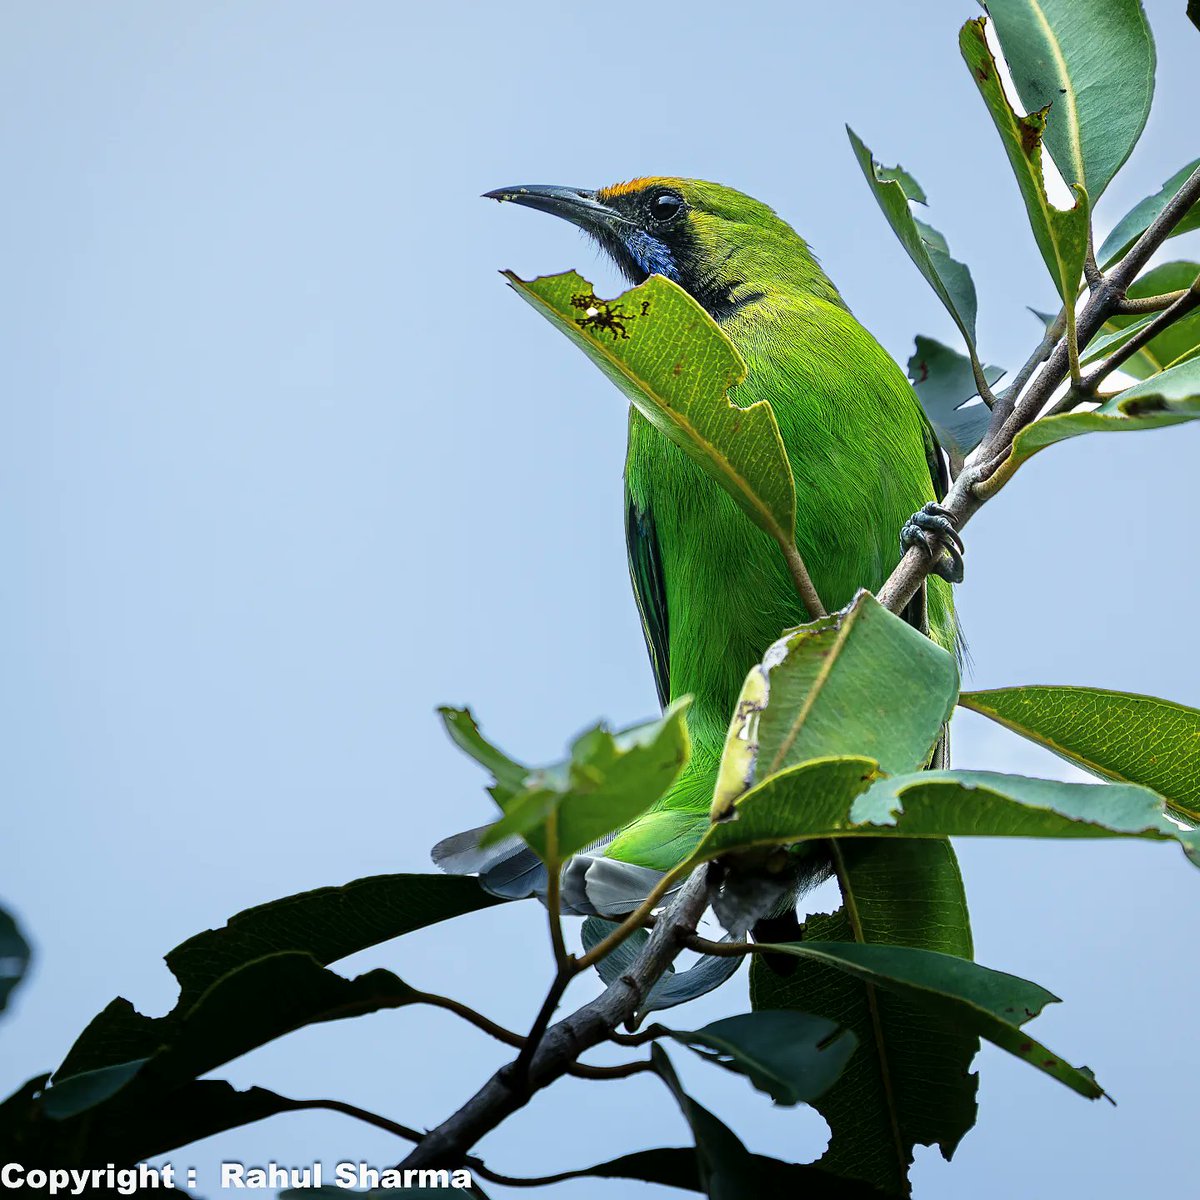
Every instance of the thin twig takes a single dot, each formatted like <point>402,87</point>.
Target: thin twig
<point>553,892</point>
<point>562,1043</point>
<point>360,1114</point>
<point>1129,306</point>
<point>649,1034</point>
<point>635,920</point>
<point>520,1067</point>
<point>1188,300</point>
<point>507,1036</point>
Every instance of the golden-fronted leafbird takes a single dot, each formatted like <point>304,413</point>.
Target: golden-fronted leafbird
<point>712,589</point>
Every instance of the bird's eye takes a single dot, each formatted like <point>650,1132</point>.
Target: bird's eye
<point>666,205</point>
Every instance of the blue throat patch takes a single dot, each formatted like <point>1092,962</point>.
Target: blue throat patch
<point>651,255</point>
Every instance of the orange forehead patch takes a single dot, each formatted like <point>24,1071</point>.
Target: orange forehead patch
<point>634,185</point>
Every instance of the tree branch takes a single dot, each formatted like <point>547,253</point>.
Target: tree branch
<point>1032,390</point>
<point>449,1142</point>
<point>1185,302</point>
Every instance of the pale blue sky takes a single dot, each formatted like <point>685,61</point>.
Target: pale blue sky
<point>285,466</point>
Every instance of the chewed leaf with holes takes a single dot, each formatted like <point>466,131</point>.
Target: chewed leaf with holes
<point>1090,67</point>
<point>820,689</point>
<point>1061,234</point>
<point>949,278</point>
<point>672,361</point>
<point>608,779</point>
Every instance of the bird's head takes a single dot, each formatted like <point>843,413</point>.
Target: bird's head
<point>726,249</point>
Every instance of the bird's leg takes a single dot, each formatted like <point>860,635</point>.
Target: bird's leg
<point>934,528</point>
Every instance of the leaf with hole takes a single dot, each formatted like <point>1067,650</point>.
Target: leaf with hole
<point>676,367</point>
<point>1061,234</point>
<point>949,278</point>
<point>821,688</point>
<point>1090,68</point>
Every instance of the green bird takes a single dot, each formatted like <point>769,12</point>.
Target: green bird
<point>712,589</point>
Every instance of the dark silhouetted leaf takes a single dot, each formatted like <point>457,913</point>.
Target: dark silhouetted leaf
<point>328,923</point>
<point>909,1082</point>
<point>14,957</point>
<point>792,1056</point>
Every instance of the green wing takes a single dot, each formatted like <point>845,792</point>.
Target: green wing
<point>649,590</point>
<point>939,471</point>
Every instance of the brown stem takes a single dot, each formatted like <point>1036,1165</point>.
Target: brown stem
<point>449,1142</point>
<point>1020,407</point>
<point>803,582</point>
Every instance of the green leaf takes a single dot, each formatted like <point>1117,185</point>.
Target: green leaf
<point>944,382</point>
<point>909,1082</point>
<point>509,775</point>
<point>1119,736</point>
<point>609,779</point>
<point>991,804</point>
<point>1193,12</point>
<point>1179,341</point>
<point>842,798</point>
<point>1143,214</point>
<point>724,1165</point>
<point>1111,338</point>
<point>811,800</point>
<point>950,279</point>
<point>1169,398</point>
<point>328,923</point>
<point>912,189</point>
<point>826,684</point>
<point>1061,234</point>
<point>983,1002</point>
<point>14,957</point>
<point>794,1057</point>
<point>87,1089</point>
<point>672,361</point>
<point>1092,67</point>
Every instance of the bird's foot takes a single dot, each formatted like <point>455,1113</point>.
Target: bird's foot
<point>935,528</point>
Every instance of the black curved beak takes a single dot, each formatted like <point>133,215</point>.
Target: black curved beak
<point>577,205</point>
